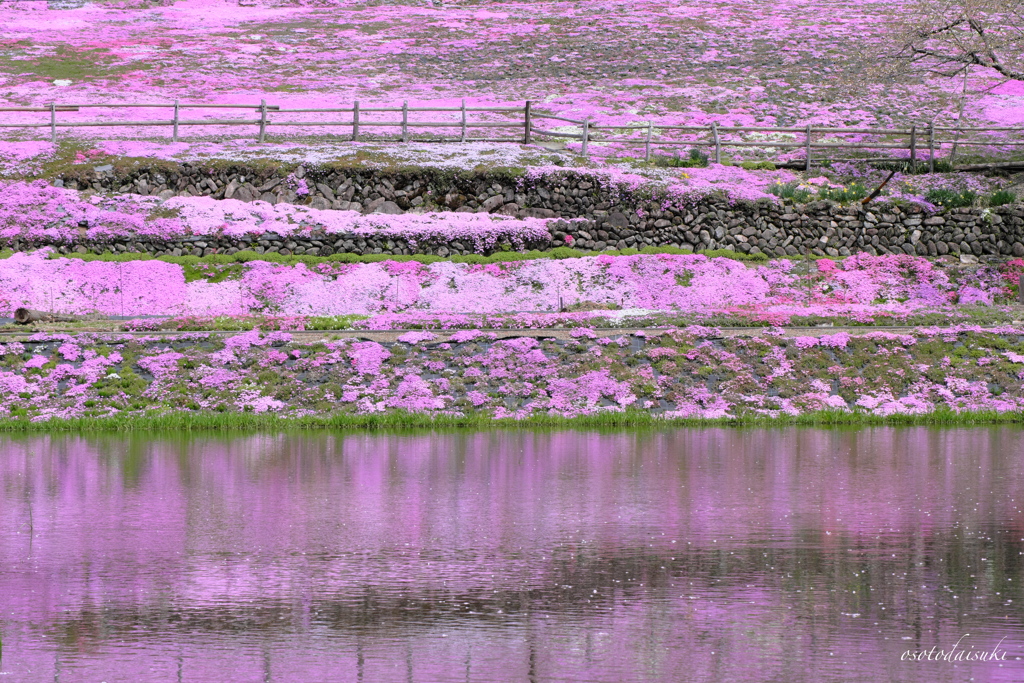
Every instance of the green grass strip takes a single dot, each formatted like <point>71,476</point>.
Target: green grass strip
<point>246,255</point>
<point>399,421</point>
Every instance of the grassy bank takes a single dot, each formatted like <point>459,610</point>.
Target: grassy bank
<point>248,381</point>
<point>247,256</point>
<point>400,420</point>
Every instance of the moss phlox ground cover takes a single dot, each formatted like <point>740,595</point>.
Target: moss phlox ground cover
<point>676,373</point>
<point>861,285</point>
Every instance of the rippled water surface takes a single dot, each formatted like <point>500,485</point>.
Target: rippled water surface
<point>682,555</point>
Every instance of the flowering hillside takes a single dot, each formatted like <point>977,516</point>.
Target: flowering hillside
<point>734,62</point>
<point>861,287</point>
<point>306,237</point>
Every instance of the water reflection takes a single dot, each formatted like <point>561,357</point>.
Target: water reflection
<point>692,554</point>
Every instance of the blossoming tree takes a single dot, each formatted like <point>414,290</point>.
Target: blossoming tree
<point>949,37</point>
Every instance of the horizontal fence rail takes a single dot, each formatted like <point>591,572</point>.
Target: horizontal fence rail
<point>919,143</point>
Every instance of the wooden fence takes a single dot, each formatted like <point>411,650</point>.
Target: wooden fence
<point>919,143</point>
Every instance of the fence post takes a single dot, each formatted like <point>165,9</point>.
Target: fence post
<point>174,137</point>
<point>718,143</point>
<point>527,124</point>
<point>463,137</point>
<point>931,146</point>
<point>807,163</point>
<point>405,121</point>
<point>53,122</point>
<point>355,121</point>
<point>263,120</point>
<point>586,136</point>
<point>647,143</point>
<point>913,149</point>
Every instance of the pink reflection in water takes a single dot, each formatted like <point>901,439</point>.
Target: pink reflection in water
<point>700,554</point>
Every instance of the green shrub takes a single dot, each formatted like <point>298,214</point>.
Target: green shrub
<point>698,159</point>
<point>757,165</point>
<point>791,190</point>
<point>951,199</point>
<point>695,159</point>
<point>1001,197</point>
<point>851,193</point>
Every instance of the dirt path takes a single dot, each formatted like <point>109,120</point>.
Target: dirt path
<point>549,333</point>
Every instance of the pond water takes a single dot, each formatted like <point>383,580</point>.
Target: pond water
<point>674,555</point>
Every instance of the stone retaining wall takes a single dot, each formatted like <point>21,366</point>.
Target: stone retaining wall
<point>609,217</point>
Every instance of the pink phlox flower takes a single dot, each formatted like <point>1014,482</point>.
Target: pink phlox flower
<point>583,333</point>
<point>835,341</point>
<point>160,365</point>
<point>463,336</point>
<point>218,378</point>
<point>417,336</point>
<point>368,357</point>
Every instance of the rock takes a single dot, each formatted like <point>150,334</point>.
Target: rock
<point>1018,249</point>
<point>243,194</point>
<point>617,220</point>
<point>166,194</point>
<point>319,203</point>
<point>968,258</point>
<point>374,205</point>
<point>536,213</point>
<point>269,197</point>
<point>510,209</point>
<point>935,220</point>
<point>388,207</point>
<point>326,191</point>
<point>493,202</point>
<point>229,191</point>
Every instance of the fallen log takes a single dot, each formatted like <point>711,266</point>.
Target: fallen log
<point>25,316</point>
<point>1001,166</point>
